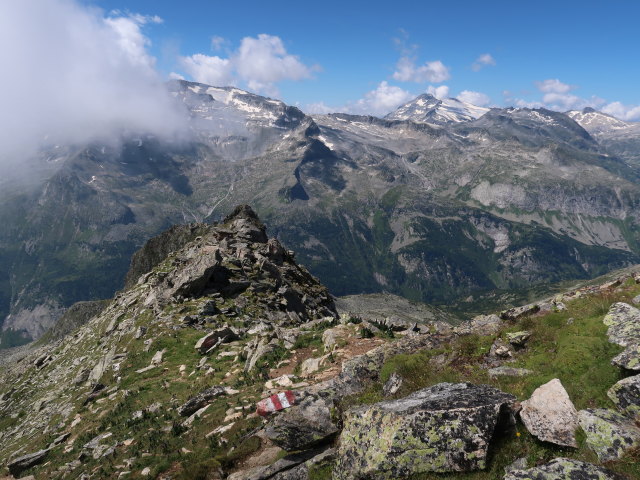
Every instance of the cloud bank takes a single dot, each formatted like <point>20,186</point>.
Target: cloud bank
<point>76,75</point>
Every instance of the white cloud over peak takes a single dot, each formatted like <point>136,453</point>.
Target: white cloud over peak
<point>439,92</point>
<point>553,85</point>
<point>407,71</point>
<point>76,76</point>
<point>630,113</point>
<point>259,62</point>
<point>484,60</point>
<point>384,99</point>
<point>475,98</point>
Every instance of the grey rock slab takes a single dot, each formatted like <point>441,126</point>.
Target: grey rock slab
<point>392,385</point>
<point>550,415</point>
<point>519,312</point>
<point>20,464</point>
<point>564,469</point>
<point>629,359</point>
<point>609,433</point>
<point>302,426</point>
<point>480,325</point>
<point>443,428</point>
<point>626,395</point>
<point>301,472</point>
<point>623,321</point>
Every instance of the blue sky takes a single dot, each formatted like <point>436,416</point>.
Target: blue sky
<point>591,47</point>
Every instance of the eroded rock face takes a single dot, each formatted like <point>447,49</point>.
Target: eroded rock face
<point>443,428</point>
<point>564,468</point>
<point>626,395</point>
<point>303,425</point>
<point>550,415</point>
<point>609,433</point>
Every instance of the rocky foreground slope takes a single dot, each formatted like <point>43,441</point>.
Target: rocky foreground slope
<point>226,359</point>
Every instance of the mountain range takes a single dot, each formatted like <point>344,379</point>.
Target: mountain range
<point>440,201</point>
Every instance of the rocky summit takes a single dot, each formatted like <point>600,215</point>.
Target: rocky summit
<point>223,358</point>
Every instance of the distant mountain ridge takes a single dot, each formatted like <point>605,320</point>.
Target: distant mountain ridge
<point>451,204</point>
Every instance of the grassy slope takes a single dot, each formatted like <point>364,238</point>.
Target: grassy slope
<point>577,352</point>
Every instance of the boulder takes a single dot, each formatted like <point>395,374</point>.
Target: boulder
<point>480,325</point>
<point>312,365</point>
<point>301,472</point>
<point>609,433</point>
<point>623,321</point>
<point>335,337</point>
<point>217,337</point>
<point>303,425</point>
<point>203,398</point>
<point>629,359</point>
<point>519,312</point>
<point>564,468</point>
<point>20,464</point>
<point>443,428</point>
<point>626,395</point>
<point>292,467</point>
<point>518,339</point>
<point>550,415</point>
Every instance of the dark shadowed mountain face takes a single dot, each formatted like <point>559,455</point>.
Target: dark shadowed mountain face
<point>430,210</point>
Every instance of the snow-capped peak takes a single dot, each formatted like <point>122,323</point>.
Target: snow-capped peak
<point>596,122</point>
<point>428,109</point>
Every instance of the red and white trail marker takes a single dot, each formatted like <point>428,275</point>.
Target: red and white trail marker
<point>275,403</point>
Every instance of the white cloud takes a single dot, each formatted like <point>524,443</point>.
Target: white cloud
<point>210,70</point>
<point>553,85</point>
<point>175,76</point>
<point>218,42</point>
<point>321,108</point>
<point>259,62</point>
<point>384,99</point>
<point>482,61</point>
<point>407,71</point>
<point>623,112</point>
<point>439,92</point>
<point>76,75</point>
<point>476,98</point>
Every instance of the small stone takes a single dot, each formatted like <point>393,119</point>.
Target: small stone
<point>519,464</point>
<point>392,385</point>
<point>146,471</point>
<point>157,358</point>
<point>636,300</point>
<point>312,365</point>
<point>550,415</point>
<point>508,372</point>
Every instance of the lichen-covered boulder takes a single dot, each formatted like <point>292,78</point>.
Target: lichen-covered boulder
<point>609,433</point>
<point>443,428</point>
<point>564,468</point>
<point>626,395</point>
<point>518,339</point>
<point>629,359</point>
<point>623,321</point>
<point>550,415</point>
<point>303,425</point>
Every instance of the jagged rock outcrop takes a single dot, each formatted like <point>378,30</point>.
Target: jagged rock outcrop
<point>550,415</point>
<point>564,468</point>
<point>444,428</point>
<point>20,464</point>
<point>609,433</point>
